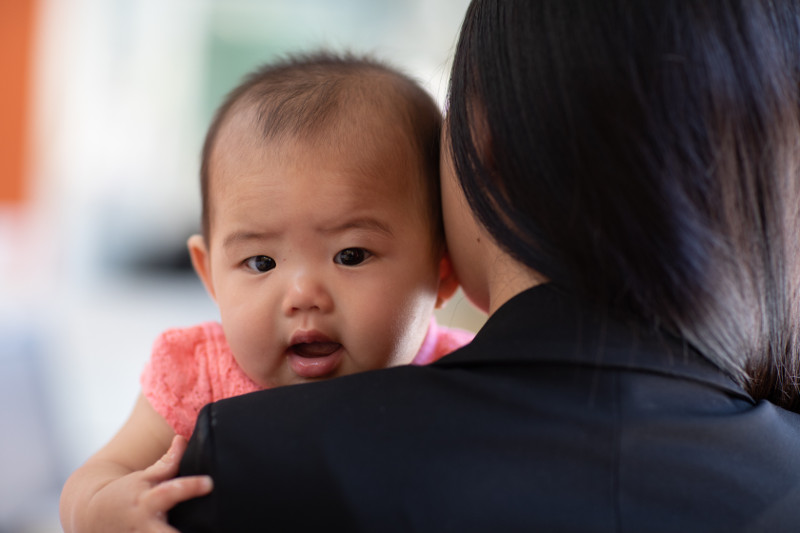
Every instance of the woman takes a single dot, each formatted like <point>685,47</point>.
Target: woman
<point>620,194</point>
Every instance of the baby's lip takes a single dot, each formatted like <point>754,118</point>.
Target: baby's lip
<point>310,337</point>
<point>312,354</point>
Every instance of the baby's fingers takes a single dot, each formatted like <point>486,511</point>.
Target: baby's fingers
<point>167,467</point>
<point>168,494</point>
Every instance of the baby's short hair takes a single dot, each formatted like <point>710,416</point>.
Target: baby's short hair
<point>303,95</point>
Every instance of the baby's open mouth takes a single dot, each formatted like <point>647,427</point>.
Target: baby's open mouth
<point>315,349</point>
<point>314,355</point>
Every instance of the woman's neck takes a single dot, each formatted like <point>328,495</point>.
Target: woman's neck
<point>508,277</point>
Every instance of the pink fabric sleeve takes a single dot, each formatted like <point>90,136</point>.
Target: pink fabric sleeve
<point>189,368</point>
<point>439,342</point>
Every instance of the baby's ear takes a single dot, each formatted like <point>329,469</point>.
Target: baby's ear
<point>201,261</point>
<point>447,281</point>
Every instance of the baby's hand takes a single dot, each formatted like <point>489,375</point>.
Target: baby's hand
<point>139,501</point>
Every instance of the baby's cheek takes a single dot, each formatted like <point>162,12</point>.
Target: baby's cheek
<point>409,331</point>
<point>379,338</point>
<point>245,346</point>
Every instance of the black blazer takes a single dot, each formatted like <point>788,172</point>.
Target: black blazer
<point>550,420</point>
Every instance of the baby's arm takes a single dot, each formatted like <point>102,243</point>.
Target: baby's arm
<point>128,484</point>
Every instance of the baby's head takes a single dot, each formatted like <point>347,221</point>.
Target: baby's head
<point>322,240</point>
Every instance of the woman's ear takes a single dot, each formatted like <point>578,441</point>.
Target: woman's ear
<point>198,251</point>
<point>447,281</point>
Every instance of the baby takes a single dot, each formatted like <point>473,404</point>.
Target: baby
<point>323,247</point>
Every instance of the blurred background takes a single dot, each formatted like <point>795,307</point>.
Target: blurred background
<point>103,108</point>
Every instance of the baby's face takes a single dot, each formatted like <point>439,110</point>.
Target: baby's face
<point>320,258</point>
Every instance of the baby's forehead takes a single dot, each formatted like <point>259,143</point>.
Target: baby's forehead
<point>317,185</point>
<point>364,135</point>
<point>362,154</point>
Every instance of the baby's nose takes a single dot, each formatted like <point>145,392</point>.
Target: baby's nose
<point>306,292</point>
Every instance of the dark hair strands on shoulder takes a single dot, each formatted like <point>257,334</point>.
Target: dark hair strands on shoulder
<point>301,94</point>
<point>645,156</point>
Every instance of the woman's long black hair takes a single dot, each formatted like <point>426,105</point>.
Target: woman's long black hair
<point>645,156</point>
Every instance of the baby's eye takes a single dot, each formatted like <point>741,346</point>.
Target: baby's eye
<point>351,256</point>
<point>260,263</point>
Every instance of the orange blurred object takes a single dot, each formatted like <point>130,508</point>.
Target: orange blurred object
<point>16,47</point>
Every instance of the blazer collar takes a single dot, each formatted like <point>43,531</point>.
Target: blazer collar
<point>544,325</point>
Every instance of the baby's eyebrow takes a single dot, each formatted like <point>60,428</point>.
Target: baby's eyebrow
<point>245,236</point>
<point>364,223</point>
